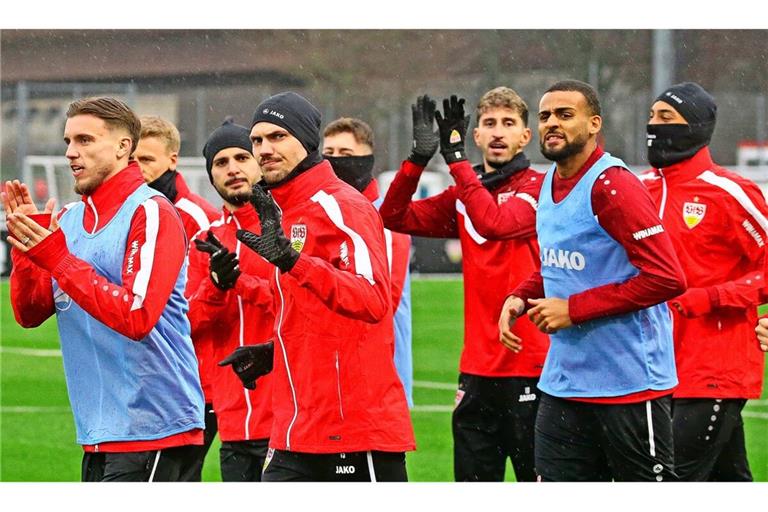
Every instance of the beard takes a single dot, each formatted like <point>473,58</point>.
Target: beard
<point>234,198</point>
<point>88,186</point>
<point>571,148</point>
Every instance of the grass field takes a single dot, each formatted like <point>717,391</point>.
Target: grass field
<point>37,430</point>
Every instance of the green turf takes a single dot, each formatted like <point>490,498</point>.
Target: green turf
<point>39,446</point>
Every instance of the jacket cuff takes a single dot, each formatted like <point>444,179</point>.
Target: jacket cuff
<point>300,268</point>
<point>411,169</point>
<point>51,253</point>
<point>714,297</point>
<point>576,313</point>
<point>462,171</point>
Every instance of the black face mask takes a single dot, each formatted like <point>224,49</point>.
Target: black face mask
<point>166,185</point>
<point>354,170</point>
<point>672,143</point>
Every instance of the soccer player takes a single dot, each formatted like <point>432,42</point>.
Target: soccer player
<point>157,154</point>
<point>348,145</point>
<point>496,400</point>
<point>718,226</point>
<point>230,305</point>
<point>339,408</point>
<point>607,268</point>
<point>112,268</point>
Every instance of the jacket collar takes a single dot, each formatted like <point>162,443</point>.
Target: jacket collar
<point>182,189</point>
<point>115,190</point>
<point>689,169</point>
<point>371,192</point>
<point>246,215</point>
<point>304,186</point>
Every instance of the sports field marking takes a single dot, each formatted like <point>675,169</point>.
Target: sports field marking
<point>434,385</point>
<point>33,410</point>
<point>426,384</point>
<point>432,408</point>
<point>33,352</point>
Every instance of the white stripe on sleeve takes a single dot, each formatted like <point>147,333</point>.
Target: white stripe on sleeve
<point>388,240</point>
<point>147,254</point>
<point>363,264</point>
<point>528,198</point>
<point>738,193</point>
<point>471,231</point>
<point>193,211</point>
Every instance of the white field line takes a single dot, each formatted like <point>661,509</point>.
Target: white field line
<point>432,408</point>
<point>434,385</point>
<point>33,410</point>
<point>39,352</point>
<point>32,352</point>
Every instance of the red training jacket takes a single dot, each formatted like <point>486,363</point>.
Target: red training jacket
<point>491,268</point>
<point>224,320</point>
<point>335,385</point>
<point>718,224</point>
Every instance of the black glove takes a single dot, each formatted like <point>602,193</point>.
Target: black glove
<point>250,362</point>
<point>224,265</point>
<point>453,129</point>
<point>425,139</point>
<point>272,245</point>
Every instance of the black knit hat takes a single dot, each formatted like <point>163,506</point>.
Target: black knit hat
<point>228,135</point>
<point>294,113</point>
<point>692,102</point>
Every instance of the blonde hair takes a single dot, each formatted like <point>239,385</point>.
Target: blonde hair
<point>153,126</point>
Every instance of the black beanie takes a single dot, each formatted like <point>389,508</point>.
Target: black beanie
<point>294,113</point>
<point>692,102</point>
<point>228,135</point>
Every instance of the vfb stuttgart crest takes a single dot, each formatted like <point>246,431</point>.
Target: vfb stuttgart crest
<point>298,236</point>
<point>693,213</point>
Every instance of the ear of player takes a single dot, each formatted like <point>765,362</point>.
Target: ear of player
<point>250,362</point>
<point>224,265</point>
<point>453,125</point>
<point>272,244</point>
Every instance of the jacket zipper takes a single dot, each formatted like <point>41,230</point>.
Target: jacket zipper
<point>663,194</point>
<point>241,337</point>
<point>285,360</point>
<point>338,385</point>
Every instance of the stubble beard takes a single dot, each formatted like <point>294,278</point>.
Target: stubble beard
<point>236,198</point>
<point>571,148</point>
<point>88,186</point>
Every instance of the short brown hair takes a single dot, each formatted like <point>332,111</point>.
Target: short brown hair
<point>154,126</point>
<point>112,111</point>
<point>358,128</point>
<point>502,97</point>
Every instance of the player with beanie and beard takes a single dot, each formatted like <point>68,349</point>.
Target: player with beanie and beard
<point>340,412</point>
<point>718,224</point>
<point>230,308</point>
<point>348,145</point>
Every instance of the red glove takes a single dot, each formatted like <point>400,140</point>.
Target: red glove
<point>694,302</point>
